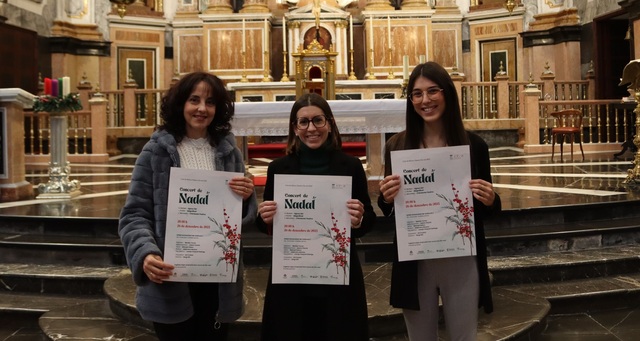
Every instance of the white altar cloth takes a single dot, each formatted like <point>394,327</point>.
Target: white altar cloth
<point>352,117</point>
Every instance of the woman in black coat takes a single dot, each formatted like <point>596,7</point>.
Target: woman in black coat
<point>434,120</point>
<point>311,311</point>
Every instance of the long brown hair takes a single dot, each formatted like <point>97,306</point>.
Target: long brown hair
<point>172,106</point>
<point>306,100</point>
<point>452,116</point>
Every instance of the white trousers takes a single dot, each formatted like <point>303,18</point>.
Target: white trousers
<point>456,279</point>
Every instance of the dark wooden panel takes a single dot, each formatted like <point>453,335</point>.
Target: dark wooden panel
<point>18,58</point>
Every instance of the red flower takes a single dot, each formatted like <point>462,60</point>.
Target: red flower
<point>463,216</point>
<point>339,246</point>
<point>230,241</point>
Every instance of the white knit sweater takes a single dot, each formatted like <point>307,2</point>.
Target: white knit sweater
<point>196,154</point>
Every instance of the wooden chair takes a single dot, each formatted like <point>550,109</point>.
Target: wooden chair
<point>568,123</point>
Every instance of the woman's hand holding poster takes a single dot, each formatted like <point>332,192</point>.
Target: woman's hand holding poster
<point>434,208</point>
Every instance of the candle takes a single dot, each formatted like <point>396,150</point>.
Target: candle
<point>47,86</point>
<point>243,38</point>
<point>405,67</point>
<point>423,59</point>
<point>351,31</point>
<point>371,33</point>
<point>66,85</point>
<point>60,87</point>
<point>54,87</point>
<point>264,35</point>
<point>284,34</point>
<point>388,32</point>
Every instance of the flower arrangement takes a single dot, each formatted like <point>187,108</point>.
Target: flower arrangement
<point>49,103</point>
<point>339,246</point>
<point>57,97</point>
<point>463,216</point>
<point>230,241</point>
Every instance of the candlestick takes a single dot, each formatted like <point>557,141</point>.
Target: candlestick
<point>371,75</point>
<point>284,34</point>
<point>391,75</point>
<point>244,67</point>
<point>351,31</point>
<point>352,74</point>
<point>388,32</point>
<point>243,37</point>
<point>371,33</point>
<point>405,67</point>
<point>264,36</point>
<point>285,77</point>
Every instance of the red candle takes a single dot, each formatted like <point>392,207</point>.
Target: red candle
<point>47,86</point>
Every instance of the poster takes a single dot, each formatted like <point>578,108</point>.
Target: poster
<point>311,229</point>
<point>434,208</point>
<point>204,220</point>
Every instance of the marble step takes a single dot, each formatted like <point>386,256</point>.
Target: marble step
<point>59,249</point>
<point>49,222</point>
<point>551,267</point>
<point>55,279</point>
<point>518,316</point>
<point>33,305</point>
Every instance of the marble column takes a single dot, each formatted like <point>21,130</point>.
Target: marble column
<point>59,186</point>
<point>378,5</point>
<point>219,6</point>
<point>415,4</point>
<point>255,6</point>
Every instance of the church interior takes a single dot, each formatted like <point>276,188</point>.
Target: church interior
<point>562,255</point>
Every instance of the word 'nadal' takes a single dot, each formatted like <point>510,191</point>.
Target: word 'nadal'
<point>194,199</point>
<point>419,178</point>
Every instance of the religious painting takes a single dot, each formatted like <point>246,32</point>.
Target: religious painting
<point>499,61</point>
<point>492,53</point>
<point>139,65</point>
<point>323,36</point>
<point>140,61</point>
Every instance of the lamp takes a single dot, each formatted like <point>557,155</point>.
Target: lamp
<point>510,5</point>
<point>122,6</point>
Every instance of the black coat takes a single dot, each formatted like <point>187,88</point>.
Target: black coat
<point>404,275</point>
<point>320,312</point>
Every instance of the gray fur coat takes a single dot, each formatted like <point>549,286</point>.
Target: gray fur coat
<point>142,230</point>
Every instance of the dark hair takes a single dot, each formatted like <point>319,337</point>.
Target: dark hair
<point>306,100</point>
<point>452,116</point>
<point>172,106</point>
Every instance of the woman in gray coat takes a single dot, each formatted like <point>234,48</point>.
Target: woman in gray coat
<point>195,134</point>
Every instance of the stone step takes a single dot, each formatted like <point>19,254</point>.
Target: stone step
<point>55,279</point>
<point>555,267</point>
<point>59,249</point>
<point>35,304</point>
<point>49,223</point>
<point>523,320</point>
<point>529,303</point>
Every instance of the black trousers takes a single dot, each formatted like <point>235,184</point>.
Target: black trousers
<point>202,325</point>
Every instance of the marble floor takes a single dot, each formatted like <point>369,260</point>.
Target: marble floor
<point>523,181</point>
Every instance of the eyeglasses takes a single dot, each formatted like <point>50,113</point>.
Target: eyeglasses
<point>318,122</point>
<point>417,95</point>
